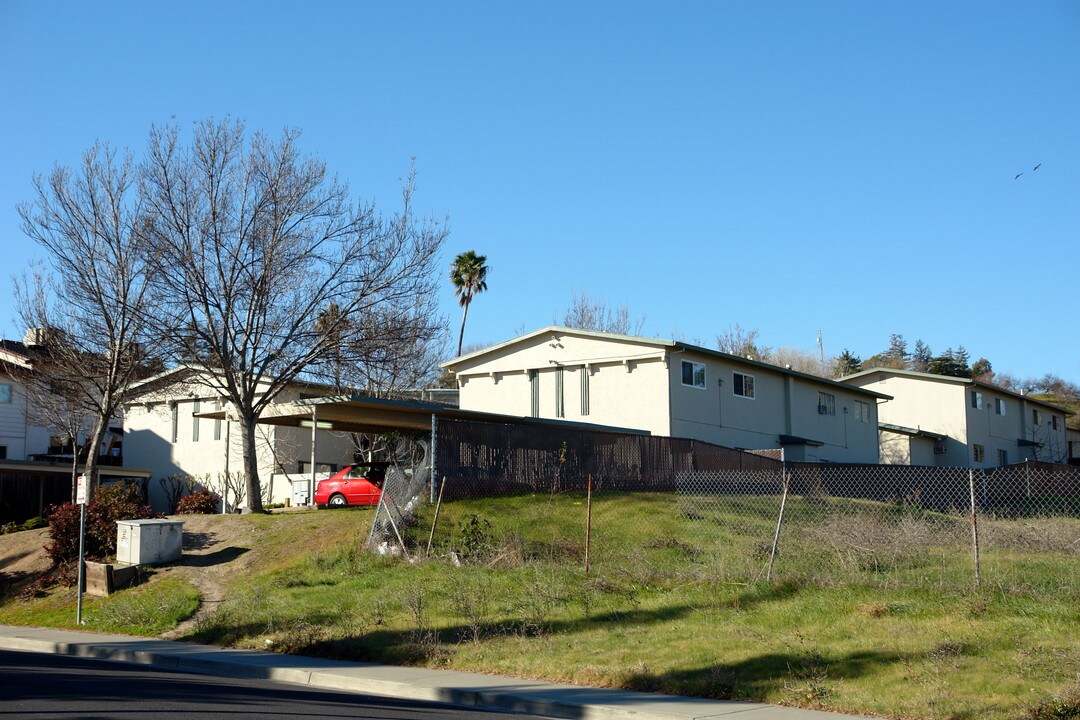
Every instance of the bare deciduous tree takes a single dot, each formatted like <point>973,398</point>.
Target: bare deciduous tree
<point>259,242</point>
<point>594,313</point>
<point>803,361</point>
<point>742,342</point>
<point>88,303</point>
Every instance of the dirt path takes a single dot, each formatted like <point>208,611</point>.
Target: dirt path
<point>215,548</point>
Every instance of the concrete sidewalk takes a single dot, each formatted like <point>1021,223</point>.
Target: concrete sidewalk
<point>457,688</point>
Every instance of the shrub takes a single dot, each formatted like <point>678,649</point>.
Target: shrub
<point>200,502</point>
<point>109,504</point>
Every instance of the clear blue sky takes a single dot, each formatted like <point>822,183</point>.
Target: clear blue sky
<point>790,166</point>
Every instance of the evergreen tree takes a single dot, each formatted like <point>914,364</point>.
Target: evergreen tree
<point>921,358</point>
<point>953,363</point>
<point>847,364</point>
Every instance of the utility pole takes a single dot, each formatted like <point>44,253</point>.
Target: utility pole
<point>821,348</point>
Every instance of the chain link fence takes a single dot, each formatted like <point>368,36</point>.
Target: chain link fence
<point>647,507</point>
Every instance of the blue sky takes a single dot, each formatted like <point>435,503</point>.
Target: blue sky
<point>793,167</point>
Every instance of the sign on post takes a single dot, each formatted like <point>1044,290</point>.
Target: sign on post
<point>80,490</point>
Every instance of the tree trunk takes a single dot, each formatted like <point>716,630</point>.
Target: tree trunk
<point>251,467</point>
<point>101,425</point>
<point>461,335</point>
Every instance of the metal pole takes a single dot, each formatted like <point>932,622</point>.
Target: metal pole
<point>434,436</point>
<point>779,522</point>
<point>974,525</point>
<point>588,521</point>
<point>435,520</point>
<point>314,428</point>
<point>80,496</point>
<point>227,481</point>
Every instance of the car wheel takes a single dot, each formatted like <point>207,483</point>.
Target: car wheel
<point>338,501</point>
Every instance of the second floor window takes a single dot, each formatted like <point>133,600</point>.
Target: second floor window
<point>999,406</point>
<point>693,374</point>
<point>744,385</point>
<point>978,452</point>
<point>976,399</point>
<point>862,411</point>
<point>826,404</point>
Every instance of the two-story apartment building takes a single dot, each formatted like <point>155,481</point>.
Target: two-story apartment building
<point>671,388</point>
<point>959,422</point>
<point>164,433</point>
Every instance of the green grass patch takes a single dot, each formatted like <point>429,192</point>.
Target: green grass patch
<point>147,610</point>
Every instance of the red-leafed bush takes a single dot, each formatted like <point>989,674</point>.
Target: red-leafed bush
<point>200,502</point>
<point>109,504</point>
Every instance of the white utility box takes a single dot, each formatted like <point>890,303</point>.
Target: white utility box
<point>148,542</point>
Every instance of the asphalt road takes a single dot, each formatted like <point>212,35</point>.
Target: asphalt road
<point>36,686</point>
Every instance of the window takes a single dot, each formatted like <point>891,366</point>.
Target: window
<point>693,374</point>
<point>976,399</point>
<point>560,410</point>
<point>744,385</point>
<point>1036,416</point>
<point>5,393</point>
<point>3,452</point>
<point>195,421</point>
<point>862,411</point>
<point>585,390</point>
<point>1003,457</point>
<point>1054,421</point>
<point>999,406</point>
<point>978,452</point>
<point>826,404</point>
<point>304,467</point>
<point>175,421</point>
<point>534,391</point>
<point>217,423</point>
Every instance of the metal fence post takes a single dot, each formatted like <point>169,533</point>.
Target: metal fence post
<point>588,521</point>
<point>779,521</point>
<point>434,435</point>
<point>974,525</point>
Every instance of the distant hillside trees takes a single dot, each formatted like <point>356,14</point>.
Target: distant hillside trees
<point>594,313</point>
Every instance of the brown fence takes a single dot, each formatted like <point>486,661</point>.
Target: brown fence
<point>488,460</point>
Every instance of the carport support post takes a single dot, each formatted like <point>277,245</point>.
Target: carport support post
<point>314,428</point>
<point>431,463</point>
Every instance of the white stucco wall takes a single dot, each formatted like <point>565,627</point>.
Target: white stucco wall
<point>943,405</point>
<point>627,382</point>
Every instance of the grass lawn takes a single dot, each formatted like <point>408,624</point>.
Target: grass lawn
<point>871,610</point>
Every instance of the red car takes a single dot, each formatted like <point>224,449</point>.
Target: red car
<point>357,484</point>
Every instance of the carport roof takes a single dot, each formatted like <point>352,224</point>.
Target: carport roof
<point>360,413</point>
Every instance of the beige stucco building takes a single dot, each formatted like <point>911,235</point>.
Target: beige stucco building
<point>164,433</point>
<point>958,422</point>
<point>670,388</point>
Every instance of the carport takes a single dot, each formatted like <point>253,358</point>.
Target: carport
<point>364,414</point>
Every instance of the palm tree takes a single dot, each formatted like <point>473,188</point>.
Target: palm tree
<point>468,273</point>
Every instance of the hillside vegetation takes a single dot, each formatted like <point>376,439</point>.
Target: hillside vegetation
<point>901,633</point>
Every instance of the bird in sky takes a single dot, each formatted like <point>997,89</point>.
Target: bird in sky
<point>1018,176</point>
<point>1036,167</point>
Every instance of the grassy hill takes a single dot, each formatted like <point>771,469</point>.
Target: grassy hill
<point>673,602</point>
